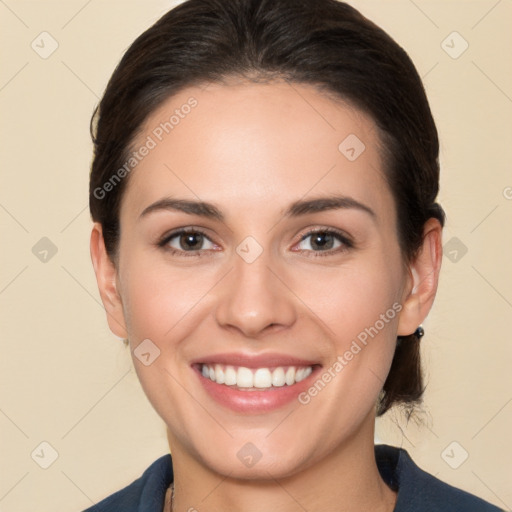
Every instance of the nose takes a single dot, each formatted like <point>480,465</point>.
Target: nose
<point>255,299</point>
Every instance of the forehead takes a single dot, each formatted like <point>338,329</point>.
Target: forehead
<point>253,145</point>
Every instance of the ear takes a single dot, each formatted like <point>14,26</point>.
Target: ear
<point>106,277</point>
<point>423,279</point>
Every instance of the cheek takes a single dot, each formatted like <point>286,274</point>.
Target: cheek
<point>349,300</point>
<point>359,307</point>
<point>160,298</point>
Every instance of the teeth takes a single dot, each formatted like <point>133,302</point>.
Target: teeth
<point>219,374</point>
<point>278,378</point>
<point>229,376</point>
<point>303,373</point>
<point>261,378</point>
<point>244,378</point>
<point>289,377</point>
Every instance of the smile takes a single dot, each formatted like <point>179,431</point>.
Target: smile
<point>254,379</point>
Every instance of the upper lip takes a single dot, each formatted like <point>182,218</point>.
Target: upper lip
<point>267,360</point>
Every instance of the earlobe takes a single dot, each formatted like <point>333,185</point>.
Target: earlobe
<point>105,271</point>
<point>424,278</point>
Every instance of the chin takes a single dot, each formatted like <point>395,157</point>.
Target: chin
<point>274,465</point>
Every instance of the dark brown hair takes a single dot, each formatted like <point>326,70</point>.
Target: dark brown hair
<point>324,43</point>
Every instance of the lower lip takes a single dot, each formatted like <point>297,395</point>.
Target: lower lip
<point>255,401</point>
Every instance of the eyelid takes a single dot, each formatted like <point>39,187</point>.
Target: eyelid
<point>344,238</point>
<point>325,229</point>
<point>164,240</point>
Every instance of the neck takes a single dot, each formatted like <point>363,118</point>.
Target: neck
<point>347,480</point>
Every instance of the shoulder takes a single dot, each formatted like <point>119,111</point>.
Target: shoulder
<point>419,491</point>
<point>145,494</point>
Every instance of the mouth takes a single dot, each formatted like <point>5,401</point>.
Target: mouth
<point>254,379</point>
<point>254,384</point>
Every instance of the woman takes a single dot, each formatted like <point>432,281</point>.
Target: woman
<point>266,237</point>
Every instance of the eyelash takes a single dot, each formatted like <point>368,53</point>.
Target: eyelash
<point>340,236</point>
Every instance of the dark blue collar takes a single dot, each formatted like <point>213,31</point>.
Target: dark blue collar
<point>418,491</point>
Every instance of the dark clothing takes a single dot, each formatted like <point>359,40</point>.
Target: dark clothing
<point>418,491</point>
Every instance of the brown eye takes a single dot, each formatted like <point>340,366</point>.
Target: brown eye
<point>186,241</point>
<point>324,241</point>
<point>190,241</point>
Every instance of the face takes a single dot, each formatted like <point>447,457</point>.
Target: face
<point>259,271</point>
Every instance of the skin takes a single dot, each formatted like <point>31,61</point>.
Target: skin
<point>252,150</point>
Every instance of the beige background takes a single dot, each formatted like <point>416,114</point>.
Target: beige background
<point>67,381</point>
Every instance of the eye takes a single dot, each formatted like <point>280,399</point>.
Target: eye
<point>189,240</point>
<point>192,241</point>
<point>327,241</point>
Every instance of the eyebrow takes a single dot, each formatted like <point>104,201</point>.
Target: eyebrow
<point>296,209</point>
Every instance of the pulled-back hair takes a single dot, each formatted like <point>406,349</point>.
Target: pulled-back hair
<point>325,43</point>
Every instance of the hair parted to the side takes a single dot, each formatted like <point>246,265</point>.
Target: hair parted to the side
<point>325,43</point>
